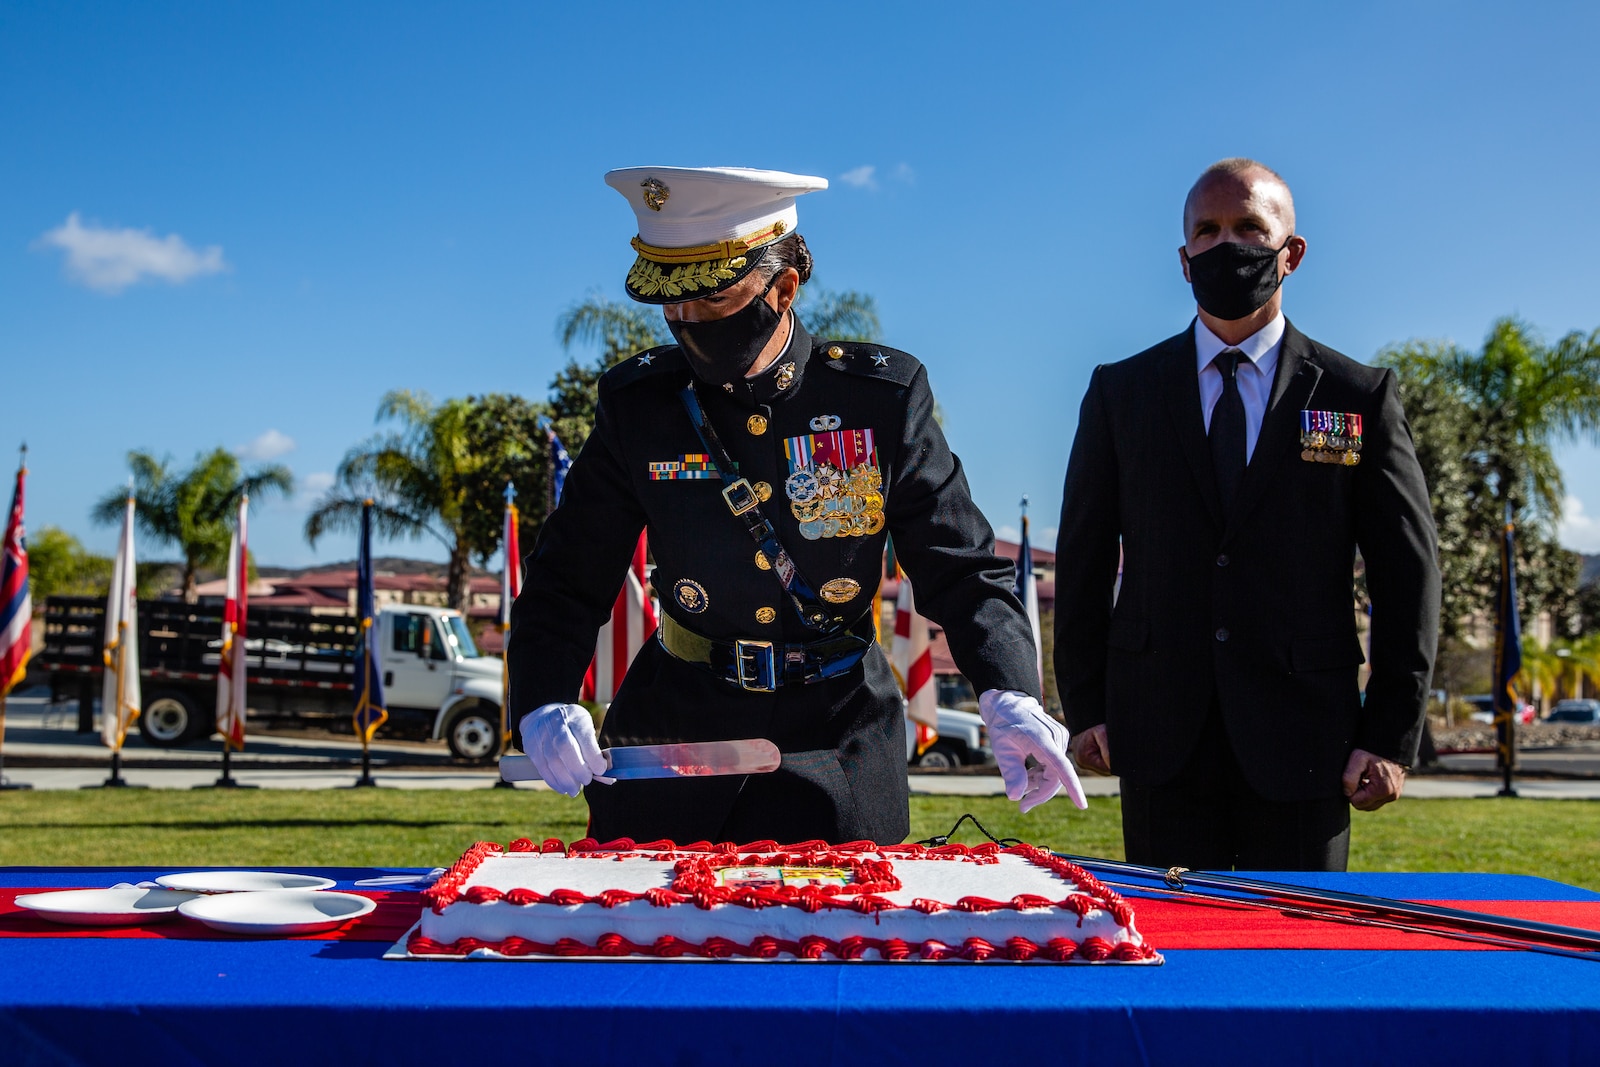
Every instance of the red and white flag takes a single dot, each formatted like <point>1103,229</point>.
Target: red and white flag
<point>912,658</point>
<point>16,606</point>
<point>232,669</point>
<point>633,622</point>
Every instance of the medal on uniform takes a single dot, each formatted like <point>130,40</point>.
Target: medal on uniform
<point>834,484</point>
<point>1330,437</point>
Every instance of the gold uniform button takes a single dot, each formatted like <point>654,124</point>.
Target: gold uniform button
<point>765,615</point>
<point>762,561</point>
<point>757,425</point>
<point>835,352</point>
<point>763,491</point>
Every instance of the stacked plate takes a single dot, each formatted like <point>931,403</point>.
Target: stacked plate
<point>263,903</point>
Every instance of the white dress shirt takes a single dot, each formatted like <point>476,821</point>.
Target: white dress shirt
<point>1255,374</point>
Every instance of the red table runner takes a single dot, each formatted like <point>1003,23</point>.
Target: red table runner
<point>1165,924</point>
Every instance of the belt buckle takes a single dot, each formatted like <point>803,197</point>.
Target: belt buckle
<point>747,497</point>
<point>763,676</point>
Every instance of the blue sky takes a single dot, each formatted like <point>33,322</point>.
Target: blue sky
<point>329,201</point>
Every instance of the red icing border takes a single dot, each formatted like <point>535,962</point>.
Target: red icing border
<point>695,883</point>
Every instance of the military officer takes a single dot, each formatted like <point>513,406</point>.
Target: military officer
<point>768,468</point>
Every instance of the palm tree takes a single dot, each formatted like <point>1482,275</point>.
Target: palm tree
<point>839,316</point>
<point>191,509</point>
<point>417,476</point>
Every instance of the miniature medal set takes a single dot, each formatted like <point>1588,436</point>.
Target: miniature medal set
<point>1330,437</point>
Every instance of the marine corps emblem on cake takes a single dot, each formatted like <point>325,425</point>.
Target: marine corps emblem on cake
<point>835,488</point>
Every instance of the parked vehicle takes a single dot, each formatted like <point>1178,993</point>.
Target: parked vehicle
<point>1577,712</point>
<point>1483,706</point>
<point>301,668</point>
<point>963,742</point>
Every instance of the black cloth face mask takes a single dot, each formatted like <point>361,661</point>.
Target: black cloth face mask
<point>1232,280</point>
<point>722,350</point>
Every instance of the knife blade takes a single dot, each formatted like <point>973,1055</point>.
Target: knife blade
<point>688,760</point>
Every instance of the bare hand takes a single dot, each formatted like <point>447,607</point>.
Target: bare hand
<point>1091,749</point>
<point>1371,781</point>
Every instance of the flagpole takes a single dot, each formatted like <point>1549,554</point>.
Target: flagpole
<point>116,780</point>
<point>1505,718</point>
<point>365,707</point>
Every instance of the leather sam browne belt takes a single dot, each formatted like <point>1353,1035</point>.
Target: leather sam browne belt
<point>762,666</point>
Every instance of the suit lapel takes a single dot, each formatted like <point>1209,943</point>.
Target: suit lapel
<point>1277,444</point>
<point>1181,389</point>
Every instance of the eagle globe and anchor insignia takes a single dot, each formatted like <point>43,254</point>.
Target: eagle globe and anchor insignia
<point>655,193</point>
<point>835,488</point>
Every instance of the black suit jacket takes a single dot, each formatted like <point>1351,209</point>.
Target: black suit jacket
<point>1253,608</point>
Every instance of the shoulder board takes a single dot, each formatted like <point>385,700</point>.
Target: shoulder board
<point>646,364</point>
<point>868,360</point>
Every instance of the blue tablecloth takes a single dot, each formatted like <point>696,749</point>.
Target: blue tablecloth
<point>178,1002</point>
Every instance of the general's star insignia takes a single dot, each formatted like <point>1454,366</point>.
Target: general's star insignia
<point>880,360</point>
<point>647,359</point>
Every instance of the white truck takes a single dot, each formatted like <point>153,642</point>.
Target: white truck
<point>301,668</point>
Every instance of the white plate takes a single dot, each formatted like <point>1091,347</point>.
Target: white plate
<point>243,881</point>
<point>277,912</point>
<point>121,906</point>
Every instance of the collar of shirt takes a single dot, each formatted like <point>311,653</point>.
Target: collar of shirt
<point>774,383</point>
<point>1260,348</point>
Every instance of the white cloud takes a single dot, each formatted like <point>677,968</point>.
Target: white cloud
<point>1008,533</point>
<point>904,173</point>
<point>315,484</point>
<point>269,445</point>
<point>860,177</point>
<point>1579,530</point>
<point>111,259</point>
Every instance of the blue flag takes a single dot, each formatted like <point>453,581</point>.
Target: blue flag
<point>1507,644</point>
<point>370,713</point>
<point>560,462</point>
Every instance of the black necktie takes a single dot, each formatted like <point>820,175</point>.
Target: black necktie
<point>1227,429</point>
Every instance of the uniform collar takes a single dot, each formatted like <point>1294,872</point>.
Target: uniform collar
<point>782,378</point>
<point>1260,348</point>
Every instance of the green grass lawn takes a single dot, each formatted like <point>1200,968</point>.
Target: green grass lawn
<point>409,828</point>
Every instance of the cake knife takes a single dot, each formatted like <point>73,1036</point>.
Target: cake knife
<point>691,760</point>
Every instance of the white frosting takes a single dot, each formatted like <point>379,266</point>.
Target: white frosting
<point>945,880</point>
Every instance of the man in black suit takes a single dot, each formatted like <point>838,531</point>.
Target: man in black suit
<point>1239,466</point>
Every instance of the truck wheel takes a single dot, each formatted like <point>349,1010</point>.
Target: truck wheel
<point>939,757</point>
<point>169,719</point>
<point>474,735</point>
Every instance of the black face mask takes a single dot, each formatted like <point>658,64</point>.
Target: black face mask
<point>1232,280</point>
<point>722,350</point>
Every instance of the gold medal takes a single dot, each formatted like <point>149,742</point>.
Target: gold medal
<point>840,590</point>
<point>808,510</point>
<point>874,522</point>
<point>1352,458</point>
<point>765,616</point>
<point>1309,456</point>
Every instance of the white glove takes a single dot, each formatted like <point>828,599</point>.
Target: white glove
<point>560,740</point>
<point>1019,728</point>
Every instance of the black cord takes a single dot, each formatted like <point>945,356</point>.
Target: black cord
<point>944,839</point>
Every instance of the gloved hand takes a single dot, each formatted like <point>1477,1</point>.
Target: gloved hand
<point>1019,728</point>
<point>560,740</point>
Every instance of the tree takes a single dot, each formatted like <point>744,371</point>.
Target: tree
<point>192,509</point>
<point>1486,425</point>
<point>441,473</point>
<point>58,565</point>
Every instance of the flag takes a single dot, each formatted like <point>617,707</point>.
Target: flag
<point>119,699</point>
<point>1507,645</point>
<point>16,606</point>
<point>633,622</point>
<point>370,713</point>
<point>232,669</point>
<point>1027,590</point>
<point>511,580</point>
<point>560,463</point>
<point>912,657</point>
